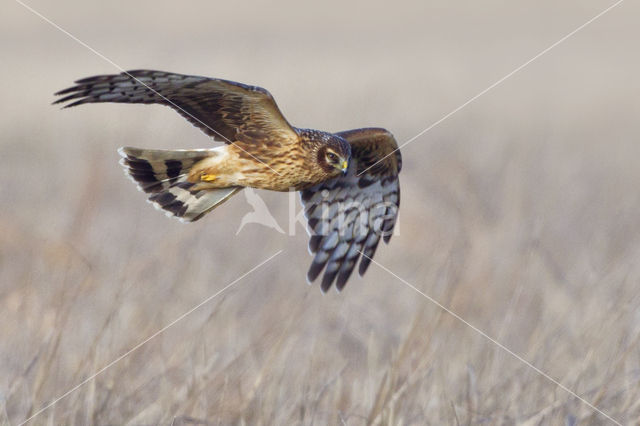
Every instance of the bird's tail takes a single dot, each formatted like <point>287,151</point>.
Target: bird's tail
<point>163,175</point>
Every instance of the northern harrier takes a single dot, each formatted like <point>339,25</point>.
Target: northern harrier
<point>348,180</point>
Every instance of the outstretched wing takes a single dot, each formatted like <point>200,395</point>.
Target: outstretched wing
<point>347,215</point>
<point>225,110</point>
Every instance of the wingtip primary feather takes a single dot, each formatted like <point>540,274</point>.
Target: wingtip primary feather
<point>324,289</point>
<point>325,285</point>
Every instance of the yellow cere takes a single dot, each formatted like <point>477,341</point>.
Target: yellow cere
<point>345,165</point>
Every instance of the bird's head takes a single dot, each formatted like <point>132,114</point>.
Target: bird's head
<point>334,155</point>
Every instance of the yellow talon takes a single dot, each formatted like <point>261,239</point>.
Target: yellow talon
<point>207,177</point>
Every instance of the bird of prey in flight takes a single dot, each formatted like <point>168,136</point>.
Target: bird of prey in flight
<point>348,180</point>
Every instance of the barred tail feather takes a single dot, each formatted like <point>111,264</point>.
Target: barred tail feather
<point>163,175</point>
<point>155,170</point>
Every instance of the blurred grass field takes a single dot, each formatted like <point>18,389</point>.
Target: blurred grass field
<point>519,213</point>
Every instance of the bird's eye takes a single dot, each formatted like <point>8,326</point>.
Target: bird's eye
<point>332,157</point>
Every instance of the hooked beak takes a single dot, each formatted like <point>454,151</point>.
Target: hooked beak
<point>345,166</point>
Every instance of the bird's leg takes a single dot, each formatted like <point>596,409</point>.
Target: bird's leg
<point>207,177</point>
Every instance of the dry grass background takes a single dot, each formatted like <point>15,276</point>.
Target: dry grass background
<point>520,213</point>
